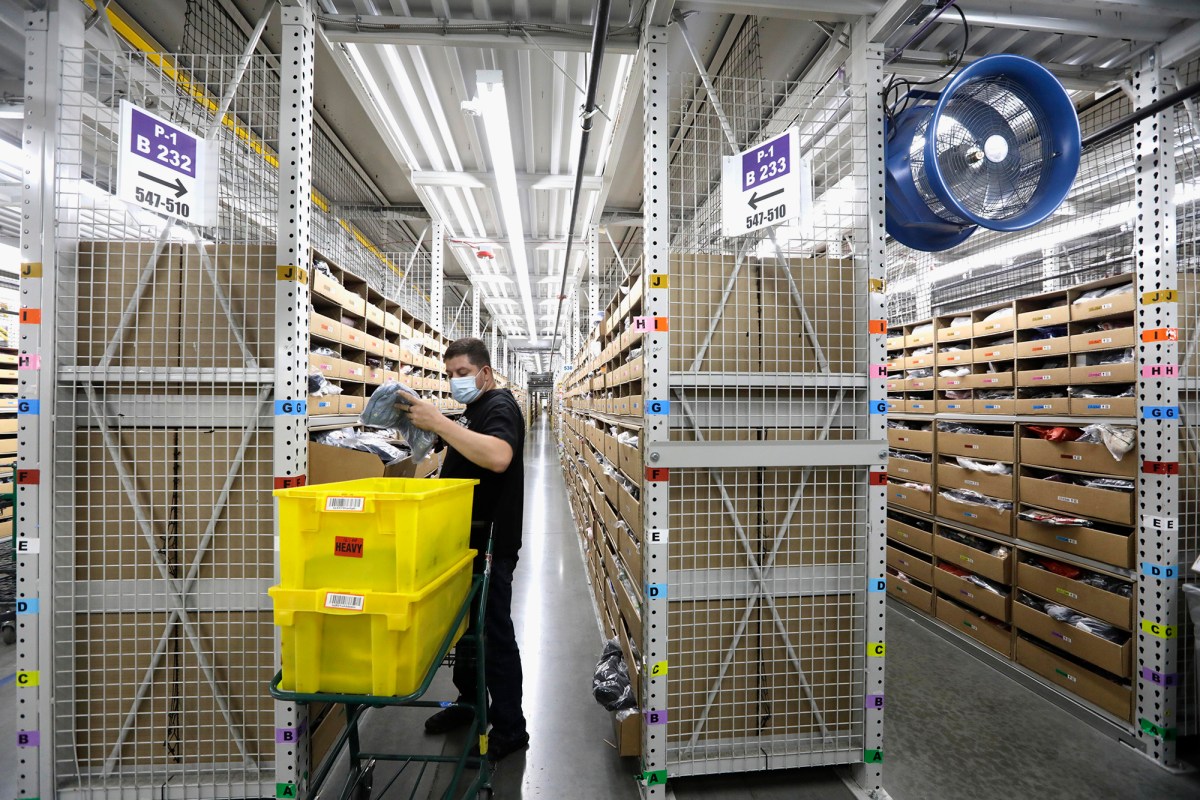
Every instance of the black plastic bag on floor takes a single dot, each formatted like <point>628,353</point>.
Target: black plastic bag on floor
<point>610,683</point>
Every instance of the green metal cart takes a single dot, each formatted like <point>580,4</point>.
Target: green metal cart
<point>360,777</point>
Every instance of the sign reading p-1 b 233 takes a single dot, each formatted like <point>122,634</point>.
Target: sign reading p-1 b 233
<point>166,169</point>
<point>765,185</point>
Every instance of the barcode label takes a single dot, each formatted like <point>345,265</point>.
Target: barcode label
<point>345,503</point>
<point>348,602</point>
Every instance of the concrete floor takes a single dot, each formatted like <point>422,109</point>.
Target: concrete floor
<point>955,728</point>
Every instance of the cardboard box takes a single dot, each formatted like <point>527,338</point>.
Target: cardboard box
<point>955,406</point>
<point>325,286</point>
<point>703,535</point>
<point>959,382</point>
<point>894,342</point>
<point>906,497</point>
<point>631,511</point>
<point>1045,316</point>
<point>985,327</point>
<point>1077,457</point>
<point>319,406</point>
<point>1104,340</point>
<point>631,555</point>
<point>1109,695</point>
<point>326,734</point>
<point>916,596</point>
<point>919,339</point>
<point>909,470</point>
<point>1085,599</point>
<point>915,567</point>
<point>1108,656</point>
<point>961,590</point>
<point>1040,348</point>
<point>989,380</point>
<point>354,303</point>
<point>832,315</point>
<point>1035,376</point>
<point>996,407</point>
<point>328,464</point>
<point>916,406</point>
<point>375,315</point>
<point>896,385</point>
<point>951,476</point>
<point>919,362</point>
<point>627,728</point>
<point>324,327</point>
<point>977,515</point>
<point>629,460</point>
<point>1104,504</point>
<point>998,447</point>
<point>981,562</point>
<point>995,352</point>
<point>896,406</point>
<point>1105,373</point>
<point>1056,406</point>
<point>1097,544</point>
<point>953,334</point>
<point>895,362</point>
<point>698,302</point>
<point>247,275</point>
<point>1103,406</point>
<point>967,622</point>
<point>391,323</point>
<point>916,441</point>
<point>955,358</point>
<point>819,530</point>
<point>1104,307</point>
<point>900,531</point>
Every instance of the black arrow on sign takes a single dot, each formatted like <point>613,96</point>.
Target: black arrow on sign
<point>180,189</point>
<point>755,198</point>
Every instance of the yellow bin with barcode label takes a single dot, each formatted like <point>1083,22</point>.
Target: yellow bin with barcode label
<point>374,534</point>
<point>349,641</point>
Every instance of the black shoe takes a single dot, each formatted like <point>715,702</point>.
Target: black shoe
<point>450,718</point>
<point>500,746</point>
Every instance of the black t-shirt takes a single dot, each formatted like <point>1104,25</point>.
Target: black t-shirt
<point>499,497</point>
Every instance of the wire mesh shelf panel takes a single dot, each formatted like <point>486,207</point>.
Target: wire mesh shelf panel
<point>163,636</point>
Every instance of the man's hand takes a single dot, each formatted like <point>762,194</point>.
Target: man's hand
<point>424,415</point>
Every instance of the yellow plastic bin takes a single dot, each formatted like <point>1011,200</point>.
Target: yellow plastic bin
<point>360,642</point>
<point>375,534</point>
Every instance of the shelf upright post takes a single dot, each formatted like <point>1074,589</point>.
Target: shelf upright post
<point>656,425</point>
<point>50,35</point>
<point>437,253</point>
<point>1159,604</point>
<point>593,252</point>
<point>475,311</point>
<point>291,328</point>
<point>866,66</point>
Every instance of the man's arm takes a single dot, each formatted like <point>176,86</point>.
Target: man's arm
<point>489,452</point>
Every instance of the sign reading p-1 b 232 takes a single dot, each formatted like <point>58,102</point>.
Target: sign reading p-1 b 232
<point>765,185</point>
<point>166,169</point>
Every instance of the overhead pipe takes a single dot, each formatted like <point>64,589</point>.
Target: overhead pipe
<point>599,36</point>
<point>1125,123</point>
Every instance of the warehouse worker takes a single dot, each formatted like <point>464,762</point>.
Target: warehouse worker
<point>485,443</point>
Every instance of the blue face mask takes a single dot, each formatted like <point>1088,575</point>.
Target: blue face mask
<point>464,390</point>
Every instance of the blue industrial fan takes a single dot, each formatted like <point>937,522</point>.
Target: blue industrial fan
<point>999,149</point>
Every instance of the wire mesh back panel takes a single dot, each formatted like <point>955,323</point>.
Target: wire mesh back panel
<point>164,641</point>
<point>768,346</point>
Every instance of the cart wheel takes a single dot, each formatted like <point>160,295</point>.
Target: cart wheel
<point>365,783</point>
<point>9,634</point>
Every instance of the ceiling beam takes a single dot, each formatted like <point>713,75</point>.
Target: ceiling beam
<point>387,29</point>
<point>920,64</point>
<point>839,10</point>
<point>486,180</point>
<point>892,16</point>
<point>1183,46</point>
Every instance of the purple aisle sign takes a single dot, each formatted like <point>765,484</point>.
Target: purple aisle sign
<point>163,144</point>
<point>766,162</point>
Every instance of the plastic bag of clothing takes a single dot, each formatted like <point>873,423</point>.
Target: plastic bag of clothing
<point>366,441</point>
<point>1119,439</point>
<point>610,682</point>
<point>319,386</point>
<point>381,412</point>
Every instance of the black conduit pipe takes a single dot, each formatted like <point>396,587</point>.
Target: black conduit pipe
<point>1122,125</point>
<point>599,37</point>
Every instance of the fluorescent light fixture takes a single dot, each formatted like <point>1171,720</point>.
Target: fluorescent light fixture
<point>492,105</point>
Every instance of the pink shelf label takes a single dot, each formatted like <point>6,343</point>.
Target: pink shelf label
<point>1160,371</point>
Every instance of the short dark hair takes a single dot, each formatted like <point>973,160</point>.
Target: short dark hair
<point>474,349</point>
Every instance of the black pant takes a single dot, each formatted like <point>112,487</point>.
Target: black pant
<point>502,661</point>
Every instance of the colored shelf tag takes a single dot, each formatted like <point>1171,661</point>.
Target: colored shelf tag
<point>656,591</point>
<point>878,406</point>
<point>658,408</point>
<point>651,324</point>
<point>1160,523</point>
<point>876,649</point>
<point>28,678</point>
<point>876,285</point>
<point>656,717</point>
<point>654,778</point>
<point>27,605</point>
<point>292,273</point>
<point>879,370</point>
<point>874,701</point>
<point>1159,630</point>
<point>29,361</point>
<point>658,474</point>
<point>30,316</point>
<point>285,735</point>
<point>291,408</point>
<point>660,281</point>
<point>291,481</point>
<point>1160,572</point>
<point>1161,335</point>
<point>1160,467</point>
<point>29,406</point>
<point>1160,412</point>
<point>1159,678</point>
<point>1160,371</point>
<point>876,478</point>
<point>877,585</point>
<point>285,790</point>
<point>1158,731</point>
<point>658,669</point>
<point>659,536</point>
<point>31,269</point>
<point>1160,296</point>
<point>29,546</point>
<point>29,738</point>
<point>877,326</point>
<point>483,744</point>
<point>29,477</point>
<point>873,757</point>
